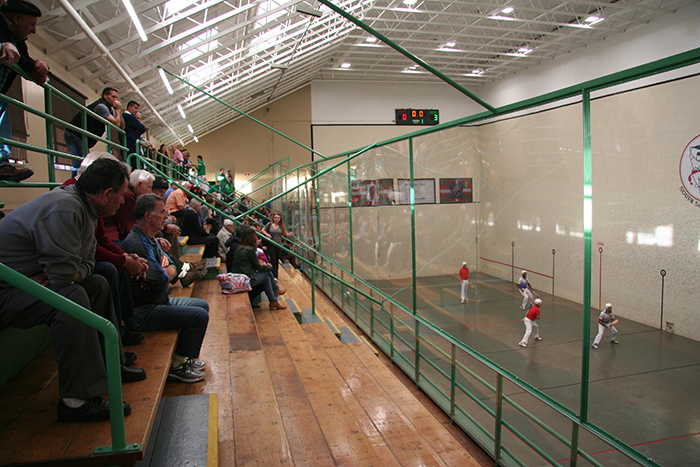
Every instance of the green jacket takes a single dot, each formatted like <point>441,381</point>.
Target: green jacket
<point>245,261</point>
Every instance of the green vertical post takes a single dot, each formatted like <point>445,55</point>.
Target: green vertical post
<point>574,445</point>
<point>587,227</point>
<point>83,122</point>
<point>453,382</point>
<point>499,420</point>
<point>413,227</point>
<point>313,289</point>
<point>352,254</point>
<point>417,359</point>
<point>50,142</point>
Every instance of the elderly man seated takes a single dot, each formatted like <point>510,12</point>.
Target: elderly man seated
<point>153,309</point>
<point>51,240</point>
<point>191,225</point>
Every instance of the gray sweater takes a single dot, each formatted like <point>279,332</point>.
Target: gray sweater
<point>53,233</point>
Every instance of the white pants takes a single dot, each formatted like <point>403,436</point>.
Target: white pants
<point>465,286</point>
<point>528,298</point>
<point>601,331</point>
<point>529,326</point>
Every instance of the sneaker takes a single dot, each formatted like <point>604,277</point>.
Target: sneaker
<point>199,265</point>
<point>93,410</point>
<point>538,338</point>
<point>462,300</point>
<point>614,342</point>
<point>198,365</point>
<point>184,373</point>
<point>594,346</point>
<point>522,344</point>
<point>192,275</point>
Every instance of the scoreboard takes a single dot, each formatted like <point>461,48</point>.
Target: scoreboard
<point>417,117</point>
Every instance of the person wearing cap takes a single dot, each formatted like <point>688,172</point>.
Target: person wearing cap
<point>17,22</point>
<point>464,280</point>
<point>526,291</point>
<point>530,321</point>
<point>605,322</point>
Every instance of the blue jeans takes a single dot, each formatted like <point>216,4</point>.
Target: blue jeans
<point>5,132</point>
<point>75,147</point>
<point>189,315</point>
<point>265,282</point>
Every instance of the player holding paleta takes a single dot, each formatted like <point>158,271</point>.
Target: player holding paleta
<point>606,320</point>
<point>464,281</point>
<point>530,321</point>
<point>526,291</point>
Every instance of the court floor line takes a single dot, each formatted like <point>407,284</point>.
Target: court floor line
<point>636,445</point>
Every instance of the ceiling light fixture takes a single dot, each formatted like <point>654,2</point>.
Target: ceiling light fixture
<point>524,50</point>
<point>279,66</point>
<point>165,80</point>
<point>135,19</point>
<point>196,140</point>
<point>371,39</point>
<point>182,112</point>
<point>507,10</point>
<point>306,10</point>
<point>345,65</point>
<point>450,44</point>
<point>593,19</point>
<point>189,127</point>
<point>410,2</point>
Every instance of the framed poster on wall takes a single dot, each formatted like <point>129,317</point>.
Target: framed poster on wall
<point>372,192</point>
<point>456,190</point>
<point>423,190</point>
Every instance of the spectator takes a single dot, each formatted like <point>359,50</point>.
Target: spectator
<point>107,107</point>
<point>245,261</point>
<point>224,234</point>
<point>191,226</point>
<point>201,168</point>
<point>51,239</point>
<point>159,187</point>
<point>154,310</point>
<point>118,226</point>
<point>275,230</point>
<point>133,128</point>
<point>19,22</point>
<point>177,199</point>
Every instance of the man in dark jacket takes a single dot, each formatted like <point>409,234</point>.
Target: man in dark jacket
<point>107,107</point>
<point>17,22</point>
<point>133,128</point>
<point>191,226</point>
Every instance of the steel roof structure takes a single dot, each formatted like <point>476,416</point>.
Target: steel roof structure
<point>248,53</point>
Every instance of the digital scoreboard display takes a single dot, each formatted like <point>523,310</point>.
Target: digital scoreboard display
<point>417,117</point>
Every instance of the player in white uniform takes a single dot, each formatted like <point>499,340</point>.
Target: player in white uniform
<point>604,322</point>
<point>526,291</point>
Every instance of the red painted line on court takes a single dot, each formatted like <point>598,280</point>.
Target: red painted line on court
<point>638,444</point>
<point>515,267</point>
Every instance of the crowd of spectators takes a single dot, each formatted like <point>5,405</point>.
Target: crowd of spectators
<point>108,240</point>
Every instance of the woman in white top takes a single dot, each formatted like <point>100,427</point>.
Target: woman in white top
<point>275,230</point>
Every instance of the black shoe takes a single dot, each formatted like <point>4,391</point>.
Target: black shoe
<point>11,173</point>
<point>130,375</point>
<point>132,338</point>
<point>129,358</point>
<point>95,409</point>
<point>255,305</point>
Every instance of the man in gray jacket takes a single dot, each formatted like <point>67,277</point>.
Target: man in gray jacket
<point>51,239</point>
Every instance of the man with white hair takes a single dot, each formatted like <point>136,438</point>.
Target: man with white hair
<point>224,234</point>
<point>120,224</point>
<point>530,321</point>
<point>605,321</point>
<point>191,226</point>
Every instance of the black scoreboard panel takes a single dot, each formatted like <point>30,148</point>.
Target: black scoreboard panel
<point>417,117</point>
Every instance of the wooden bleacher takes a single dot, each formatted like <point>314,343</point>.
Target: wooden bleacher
<point>288,393</point>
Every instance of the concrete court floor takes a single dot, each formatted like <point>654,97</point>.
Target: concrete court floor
<point>642,391</point>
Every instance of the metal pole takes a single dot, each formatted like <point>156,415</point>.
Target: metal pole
<point>663,283</point>
<point>50,143</point>
<point>499,420</point>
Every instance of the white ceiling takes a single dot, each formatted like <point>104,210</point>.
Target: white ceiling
<point>250,52</point>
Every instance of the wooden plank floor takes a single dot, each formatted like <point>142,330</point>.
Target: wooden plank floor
<point>295,395</point>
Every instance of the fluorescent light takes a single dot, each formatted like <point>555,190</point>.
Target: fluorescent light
<point>165,80</point>
<point>410,2</point>
<point>196,140</point>
<point>371,39</point>
<point>345,65</point>
<point>306,10</point>
<point>135,19</point>
<point>524,50</point>
<point>507,10</point>
<point>182,112</point>
<point>189,127</point>
<point>279,66</point>
<point>450,44</point>
<point>593,19</point>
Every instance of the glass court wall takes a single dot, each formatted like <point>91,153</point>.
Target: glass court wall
<point>394,222</point>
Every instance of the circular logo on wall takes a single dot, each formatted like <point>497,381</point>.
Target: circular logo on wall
<point>689,170</point>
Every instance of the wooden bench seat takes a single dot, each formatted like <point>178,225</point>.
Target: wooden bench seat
<point>31,433</point>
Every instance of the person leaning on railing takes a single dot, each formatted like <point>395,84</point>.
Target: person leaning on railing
<point>51,240</point>
<point>17,23</point>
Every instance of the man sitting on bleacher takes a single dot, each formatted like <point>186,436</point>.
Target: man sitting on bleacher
<point>153,309</point>
<point>191,225</point>
<point>51,239</point>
